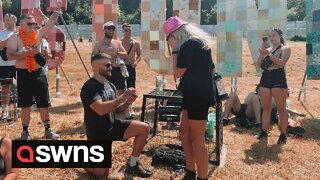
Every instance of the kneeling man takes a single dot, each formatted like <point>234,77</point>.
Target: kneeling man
<point>100,103</point>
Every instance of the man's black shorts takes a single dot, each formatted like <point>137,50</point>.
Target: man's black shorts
<point>34,84</point>
<point>7,72</point>
<point>117,79</point>
<point>131,80</point>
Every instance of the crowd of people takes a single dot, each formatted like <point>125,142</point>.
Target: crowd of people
<point>112,89</point>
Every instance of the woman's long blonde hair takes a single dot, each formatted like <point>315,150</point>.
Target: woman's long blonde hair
<point>188,31</point>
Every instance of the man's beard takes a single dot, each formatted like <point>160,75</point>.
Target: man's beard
<point>105,73</point>
<point>108,36</point>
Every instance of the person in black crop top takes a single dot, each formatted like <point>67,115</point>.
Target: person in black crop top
<point>273,83</point>
<point>191,54</point>
<point>6,170</point>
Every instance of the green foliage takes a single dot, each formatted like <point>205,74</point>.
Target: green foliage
<point>208,12</point>
<point>297,38</point>
<point>296,10</point>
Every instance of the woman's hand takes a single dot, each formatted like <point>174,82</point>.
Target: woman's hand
<point>172,42</point>
<point>263,51</point>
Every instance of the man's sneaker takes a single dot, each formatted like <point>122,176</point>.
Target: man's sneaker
<point>282,139</point>
<point>5,115</point>
<point>25,136</point>
<point>262,135</point>
<point>137,170</point>
<point>50,134</point>
<point>132,112</point>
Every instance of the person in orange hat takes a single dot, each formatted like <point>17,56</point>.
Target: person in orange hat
<point>192,61</point>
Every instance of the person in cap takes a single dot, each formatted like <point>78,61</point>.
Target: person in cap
<point>115,49</point>
<point>192,62</point>
<point>100,103</point>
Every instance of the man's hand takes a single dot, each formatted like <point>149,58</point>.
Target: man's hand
<point>132,98</point>
<point>32,52</point>
<point>59,5</point>
<point>134,65</point>
<point>129,93</point>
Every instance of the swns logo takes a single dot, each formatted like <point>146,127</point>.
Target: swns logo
<point>61,154</point>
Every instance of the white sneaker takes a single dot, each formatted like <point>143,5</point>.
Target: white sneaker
<point>50,134</point>
<point>5,115</point>
<point>132,112</point>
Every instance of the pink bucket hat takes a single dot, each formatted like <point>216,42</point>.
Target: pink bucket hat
<point>172,24</point>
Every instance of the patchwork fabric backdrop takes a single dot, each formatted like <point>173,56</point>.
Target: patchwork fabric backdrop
<point>56,37</point>
<point>313,39</point>
<point>152,36</point>
<point>236,17</point>
<point>188,10</point>
<point>1,16</point>
<point>103,11</point>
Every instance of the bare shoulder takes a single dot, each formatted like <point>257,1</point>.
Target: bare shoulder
<point>136,42</point>
<point>286,48</point>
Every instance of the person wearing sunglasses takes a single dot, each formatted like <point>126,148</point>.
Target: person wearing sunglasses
<point>133,48</point>
<point>7,67</point>
<point>115,49</point>
<point>31,81</point>
<point>100,103</point>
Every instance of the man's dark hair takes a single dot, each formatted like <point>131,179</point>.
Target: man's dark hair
<point>126,25</point>
<point>25,16</point>
<point>99,56</point>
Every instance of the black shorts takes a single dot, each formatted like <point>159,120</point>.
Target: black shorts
<point>242,111</point>
<point>131,80</point>
<point>274,79</point>
<point>117,79</point>
<point>34,84</point>
<point>116,133</point>
<point>195,110</point>
<point>7,72</point>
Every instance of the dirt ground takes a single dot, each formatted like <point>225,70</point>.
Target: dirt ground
<point>247,158</point>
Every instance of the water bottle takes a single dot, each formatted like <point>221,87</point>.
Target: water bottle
<point>221,90</point>
<point>210,126</point>
<point>159,87</point>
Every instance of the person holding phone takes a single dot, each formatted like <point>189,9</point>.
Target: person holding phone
<point>273,83</point>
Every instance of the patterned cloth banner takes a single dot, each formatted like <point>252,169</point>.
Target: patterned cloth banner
<point>188,10</point>
<point>51,5</point>
<point>313,39</point>
<point>152,36</point>
<point>102,12</point>
<point>236,17</point>
<point>1,16</point>
<point>56,37</point>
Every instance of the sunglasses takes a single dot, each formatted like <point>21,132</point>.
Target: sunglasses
<point>110,28</point>
<point>31,24</point>
<point>108,65</point>
<point>128,30</point>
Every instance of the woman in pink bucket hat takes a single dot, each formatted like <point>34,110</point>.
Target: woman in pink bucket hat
<point>192,62</point>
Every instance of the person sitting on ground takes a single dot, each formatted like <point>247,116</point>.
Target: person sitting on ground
<point>250,109</point>
<point>6,170</point>
<point>100,103</point>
